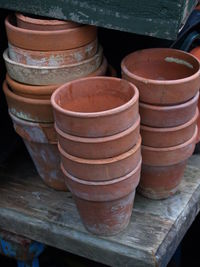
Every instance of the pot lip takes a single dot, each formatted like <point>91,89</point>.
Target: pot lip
<point>103,183</point>
<point>172,148</point>
<point>104,161</point>
<point>171,129</point>
<point>88,140</point>
<point>40,68</point>
<point>32,101</point>
<point>160,82</point>
<point>88,115</point>
<point>171,107</point>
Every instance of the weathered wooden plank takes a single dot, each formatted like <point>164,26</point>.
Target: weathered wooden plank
<point>159,18</point>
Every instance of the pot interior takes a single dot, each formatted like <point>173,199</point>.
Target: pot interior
<point>161,64</point>
<point>94,95</point>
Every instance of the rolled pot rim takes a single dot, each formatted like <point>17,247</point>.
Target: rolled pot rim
<point>172,148</point>
<point>32,67</point>
<point>88,115</point>
<point>160,82</point>
<point>103,183</point>
<point>92,140</point>
<point>170,107</point>
<point>171,129</point>
<point>37,101</point>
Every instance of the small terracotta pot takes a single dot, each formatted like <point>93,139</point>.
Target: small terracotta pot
<point>159,182</point>
<point>49,40</point>
<point>52,58</point>
<point>36,75</point>
<point>40,140</point>
<point>168,116</point>
<point>111,71</point>
<point>43,24</point>
<point>95,107</point>
<point>36,110</point>
<point>167,137</point>
<point>162,75</point>
<point>105,207</point>
<point>101,169</point>
<point>169,156</point>
<point>102,147</point>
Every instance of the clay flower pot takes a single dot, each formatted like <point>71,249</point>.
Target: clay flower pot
<point>168,116</point>
<point>101,147</point>
<point>49,40</point>
<point>159,182</point>
<point>40,141</point>
<point>36,110</point>
<point>43,24</point>
<point>167,137</point>
<point>162,75</point>
<point>95,107</point>
<point>52,58</point>
<point>36,75</point>
<point>101,169</point>
<point>105,207</point>
<point>169,156</point>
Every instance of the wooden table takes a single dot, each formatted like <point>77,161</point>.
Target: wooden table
<point>30,209</point>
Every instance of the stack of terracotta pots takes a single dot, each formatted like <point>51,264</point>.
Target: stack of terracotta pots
<point>98,127</point>
<point>42,54</point>
<point>168,83</point>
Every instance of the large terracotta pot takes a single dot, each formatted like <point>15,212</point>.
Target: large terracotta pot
<point>36,110</point>
<point>36,75</point>
<point>43,24</point>
<point>49,40</point>
<point>41,142</point>
<point>101,147</point>
<point>105,207</point>
<point>168,116</point>
<point>101,169</point>
<point>52,58</point>
<point>95,107</point>
<point>167,137</point>
<point>163,76</point>
<point>169,156</point>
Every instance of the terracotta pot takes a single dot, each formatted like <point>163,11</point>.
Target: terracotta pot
<point>49,40</point>
<point>105,207</point>
<point>40,140</point>
<point>36,75</point>
<point>95,107</point>
<point>43,24</point>
<point>102,147</point>
<point>101,169</point>
<point>162,75</point>
<point>159,182</point>
<point>37,110</point>
<point>52,58</point>
<point>169,156</point>
<point>111,71</point>
<point>168,116</point>
<point>167,137</point>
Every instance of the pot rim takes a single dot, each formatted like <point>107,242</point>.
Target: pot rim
<point>171,129</point>
<point>31,67</point>
<point>160,82</point>
<point>104,113</point>
<point>170,107</point>
<point>172,148</point>
<point>12,95</point>
<point>92,140</point>
<point>103,183</point>
<point>103,161</point>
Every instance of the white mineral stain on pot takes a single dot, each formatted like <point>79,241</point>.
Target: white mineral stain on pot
<point>179,61</point>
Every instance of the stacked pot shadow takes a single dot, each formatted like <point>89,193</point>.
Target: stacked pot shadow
<point>41,55</point>
<point>97,122</point>
<point>168,83</point>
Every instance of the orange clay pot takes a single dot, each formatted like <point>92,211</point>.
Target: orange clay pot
<point>162,75</point>
<point>95,107</point>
